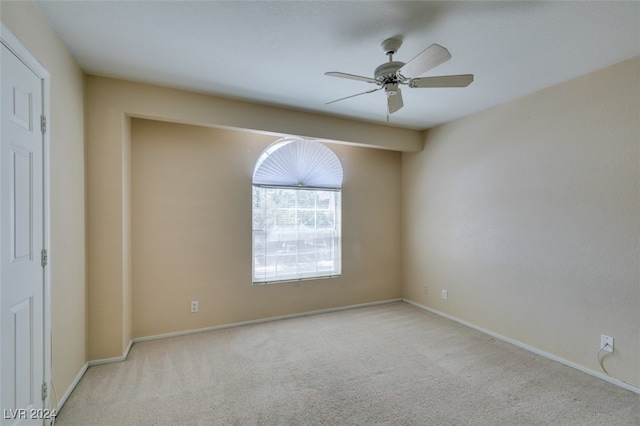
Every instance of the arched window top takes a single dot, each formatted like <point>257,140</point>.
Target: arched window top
<point>296,162</point>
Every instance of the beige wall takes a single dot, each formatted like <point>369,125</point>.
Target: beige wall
<point>67,230</point>
<point>191,216</point>
<point>529,215</point>
<point>113,290</point>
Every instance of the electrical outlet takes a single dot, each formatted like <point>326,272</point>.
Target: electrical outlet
<point>445,294</point>
<point>194,306</point>
<point>426,289</point>
<point>606,343</point>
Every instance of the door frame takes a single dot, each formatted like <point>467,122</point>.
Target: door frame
<point>12,43</point>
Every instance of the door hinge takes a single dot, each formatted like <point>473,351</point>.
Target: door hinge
<point>45,390</point>
<point>43,123</point>
<point>44,257</point>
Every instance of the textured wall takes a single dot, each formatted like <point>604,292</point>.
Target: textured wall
<point>529,215</point>
<point>191,230</point>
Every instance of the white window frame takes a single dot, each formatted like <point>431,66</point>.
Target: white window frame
<point>301,248</point>
<point>293,240</point>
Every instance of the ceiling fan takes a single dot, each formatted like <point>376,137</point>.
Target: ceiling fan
<point>390,75</point>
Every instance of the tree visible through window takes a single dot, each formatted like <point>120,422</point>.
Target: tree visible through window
<point>296,212</point>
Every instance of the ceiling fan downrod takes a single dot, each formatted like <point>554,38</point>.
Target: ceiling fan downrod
<point>387,72</point>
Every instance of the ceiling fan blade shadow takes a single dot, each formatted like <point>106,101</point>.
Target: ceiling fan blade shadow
<point>353,96</point>
<point>394,101</point>
<point>429,58</point>
<point>462,80</point>
<point>350,76</point>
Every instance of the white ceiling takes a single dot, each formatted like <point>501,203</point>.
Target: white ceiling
<point>276,52</point>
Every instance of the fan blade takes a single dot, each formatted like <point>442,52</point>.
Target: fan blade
<point>429,58</point>
<point>442,81</point>
<point>353,96</point>
<point>394,101</point>
<point>350,76</point>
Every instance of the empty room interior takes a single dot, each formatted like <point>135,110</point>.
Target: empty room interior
<point>476,189</point>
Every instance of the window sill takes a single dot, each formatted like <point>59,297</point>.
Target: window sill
<point>293,280</point>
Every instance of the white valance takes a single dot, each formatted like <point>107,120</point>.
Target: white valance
<point>297,162</point>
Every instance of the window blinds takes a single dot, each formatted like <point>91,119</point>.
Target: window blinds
<point>298,162</point>
<point>296,212</point>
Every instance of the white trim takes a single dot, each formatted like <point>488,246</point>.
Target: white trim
<point>17,48</point>
<point>72,387</point>
<point>14,45</point>
<point>235,324</point>
<point>83,370</point>
<point>536,351</point>
<point>121,358</point>
<point>263,320</point>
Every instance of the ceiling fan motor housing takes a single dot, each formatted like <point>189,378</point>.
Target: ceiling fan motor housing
<point>386,73</point>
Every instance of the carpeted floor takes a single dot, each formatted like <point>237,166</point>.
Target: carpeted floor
<point>391,364</point>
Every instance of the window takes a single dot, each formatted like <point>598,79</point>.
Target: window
<point>296,212</point>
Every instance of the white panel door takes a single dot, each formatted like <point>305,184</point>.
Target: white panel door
<point>22,236</point>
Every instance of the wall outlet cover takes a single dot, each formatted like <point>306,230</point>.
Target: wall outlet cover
<point>606,343</point>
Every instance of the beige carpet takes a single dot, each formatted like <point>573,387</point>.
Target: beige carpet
<point>390,364</point>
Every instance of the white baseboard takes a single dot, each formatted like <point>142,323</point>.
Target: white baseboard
<point>83,370</point>
<point>262,320</point>
<point>114,359</point>
<point>73,385</point>
<point>235,324</point>
<point>537,351</point>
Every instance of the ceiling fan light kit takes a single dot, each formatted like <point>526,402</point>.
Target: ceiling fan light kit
<point>390,75</point>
